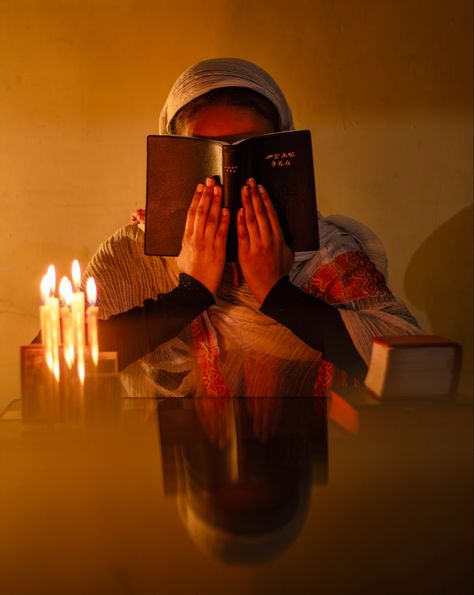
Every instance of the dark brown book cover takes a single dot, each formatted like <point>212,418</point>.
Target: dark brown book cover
<point>281,161</point>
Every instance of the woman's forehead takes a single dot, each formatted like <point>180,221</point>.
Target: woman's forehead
<point>225,122</point>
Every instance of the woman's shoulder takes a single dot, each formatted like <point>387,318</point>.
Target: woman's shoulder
<point>339,233</point>
<point>125,275</point>
<point>125,239</point>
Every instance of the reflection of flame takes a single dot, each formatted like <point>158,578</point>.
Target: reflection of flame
<point>49,360</point>
<point>76,274</point>
<point>56,370</point>
<point>81,371</point>
<point>95,353</point>
<point>91,291</point>
<point>69,355</point>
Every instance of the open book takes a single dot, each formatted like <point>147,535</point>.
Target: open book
<point>281,161</point>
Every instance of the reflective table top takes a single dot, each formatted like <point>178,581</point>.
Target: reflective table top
<point>254,495</point>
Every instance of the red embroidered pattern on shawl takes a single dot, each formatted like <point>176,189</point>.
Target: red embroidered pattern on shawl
<point>351,276</point>
<point>207,355</point>
<point>138,216</point>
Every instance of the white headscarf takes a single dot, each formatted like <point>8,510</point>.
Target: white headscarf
<point>223,72</point>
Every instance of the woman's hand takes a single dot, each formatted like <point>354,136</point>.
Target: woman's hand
<point>203,250</point>
<point>264,256</point>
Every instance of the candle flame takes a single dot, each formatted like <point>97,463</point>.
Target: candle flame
<point>52,278</point>
<point>45,288</point>
<point>65,291</point>
<point>91,291</point>
<point>76,274</point>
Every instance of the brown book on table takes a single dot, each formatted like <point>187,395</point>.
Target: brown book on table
<point>281,161</point>
<point>413,366</point>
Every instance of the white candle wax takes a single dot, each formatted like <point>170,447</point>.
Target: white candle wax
<point>52,287</point>
<point>78,324</point>
<point>92,315</point>
<point>52,304</point>
<point>92,324</point>
<point>46,323</point>
<point>78,319</point>
<point>65,291</point>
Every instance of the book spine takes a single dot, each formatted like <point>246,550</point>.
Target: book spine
<point>231,182</point>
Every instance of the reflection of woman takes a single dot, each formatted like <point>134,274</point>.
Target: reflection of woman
<point>284,323</point>
<point>244,497</point>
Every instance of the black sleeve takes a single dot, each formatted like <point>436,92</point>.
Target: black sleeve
<point>315,322</point>
<point>138,331</point>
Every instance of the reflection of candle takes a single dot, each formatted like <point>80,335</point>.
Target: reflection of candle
<point>52,304</point>
<point>46,322</point>
<point>78,322</point>
<point>65,292</point>
<point>92,312</point>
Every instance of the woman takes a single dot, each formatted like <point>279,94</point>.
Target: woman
<point>285,324</point>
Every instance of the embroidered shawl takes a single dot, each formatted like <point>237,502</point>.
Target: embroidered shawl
<point>232,348</point>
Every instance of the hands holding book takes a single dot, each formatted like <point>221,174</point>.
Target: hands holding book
<point>203,250</point>
<point>263,254</point>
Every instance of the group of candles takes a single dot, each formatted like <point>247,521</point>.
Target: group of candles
<point>63,321</point>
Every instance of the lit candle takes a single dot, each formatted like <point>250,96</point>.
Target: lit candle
<point>78,322</point>
<point>92,312</point>
<point>46,322</point>
<point>65,292</point>
<point>52,304</point>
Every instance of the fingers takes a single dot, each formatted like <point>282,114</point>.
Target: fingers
<point>249,212</point>
<point>271,213</point>
<point>242,233</point>
<point>202,210</point>
<point>260,216</point>
<point>260,210</point>
<point>189,226</point>
<point>251,225</point>
<point>205,218</point>
<point>221,233</point>
<point>214,214</point>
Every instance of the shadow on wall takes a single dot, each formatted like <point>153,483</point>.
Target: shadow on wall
<point>439,280</point>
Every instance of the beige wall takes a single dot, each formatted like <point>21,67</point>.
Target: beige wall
<point>385,86</point>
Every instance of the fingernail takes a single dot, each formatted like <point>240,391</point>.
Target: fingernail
<point>209,182</point>
<point>251,182</point>
<point>261,189</point>
<point>216,190</point>
<point>246,191</point>
<point>199,188</point>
